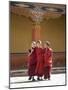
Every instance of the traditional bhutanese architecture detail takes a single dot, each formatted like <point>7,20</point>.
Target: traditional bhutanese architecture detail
<point>37,12</point>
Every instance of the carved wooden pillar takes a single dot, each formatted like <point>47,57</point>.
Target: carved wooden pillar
<point>37,17</point>
<point>36,32</point>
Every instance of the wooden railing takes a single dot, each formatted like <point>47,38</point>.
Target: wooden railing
<point>19,60</point>
<point>24,72</point>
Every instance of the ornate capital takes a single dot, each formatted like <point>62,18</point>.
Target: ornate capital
<point>37,15</point>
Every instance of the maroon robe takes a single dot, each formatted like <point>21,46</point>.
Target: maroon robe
<point>32,63</point>
<point>39,67</point>
<point>47,55</point>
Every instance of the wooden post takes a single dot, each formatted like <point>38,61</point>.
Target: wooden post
<point>36,32</point>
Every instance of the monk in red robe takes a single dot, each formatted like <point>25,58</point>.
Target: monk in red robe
<point>39,66</point>
<point>32,62</point>
<point>47,55</point>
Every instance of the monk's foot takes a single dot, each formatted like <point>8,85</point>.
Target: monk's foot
<point>29,78</point>
<point>45,78</point>
<point>38,78</point>
<point>48,78</point>
<point>33,79</point>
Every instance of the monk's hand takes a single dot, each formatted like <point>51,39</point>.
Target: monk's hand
<point>32,50</point>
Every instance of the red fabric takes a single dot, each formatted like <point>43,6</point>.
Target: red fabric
<point>47,72</point>
<point>32,63</point>
<point>39,67</point>
<point>47,56</point>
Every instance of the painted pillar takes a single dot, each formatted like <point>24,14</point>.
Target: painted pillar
<point>36,32</point>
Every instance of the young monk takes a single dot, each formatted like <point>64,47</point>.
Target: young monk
<point>32,61</point>
<point>47,55</point>
<point>39,66</point>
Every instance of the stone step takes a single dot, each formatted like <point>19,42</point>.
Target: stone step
<point>55,70</point>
